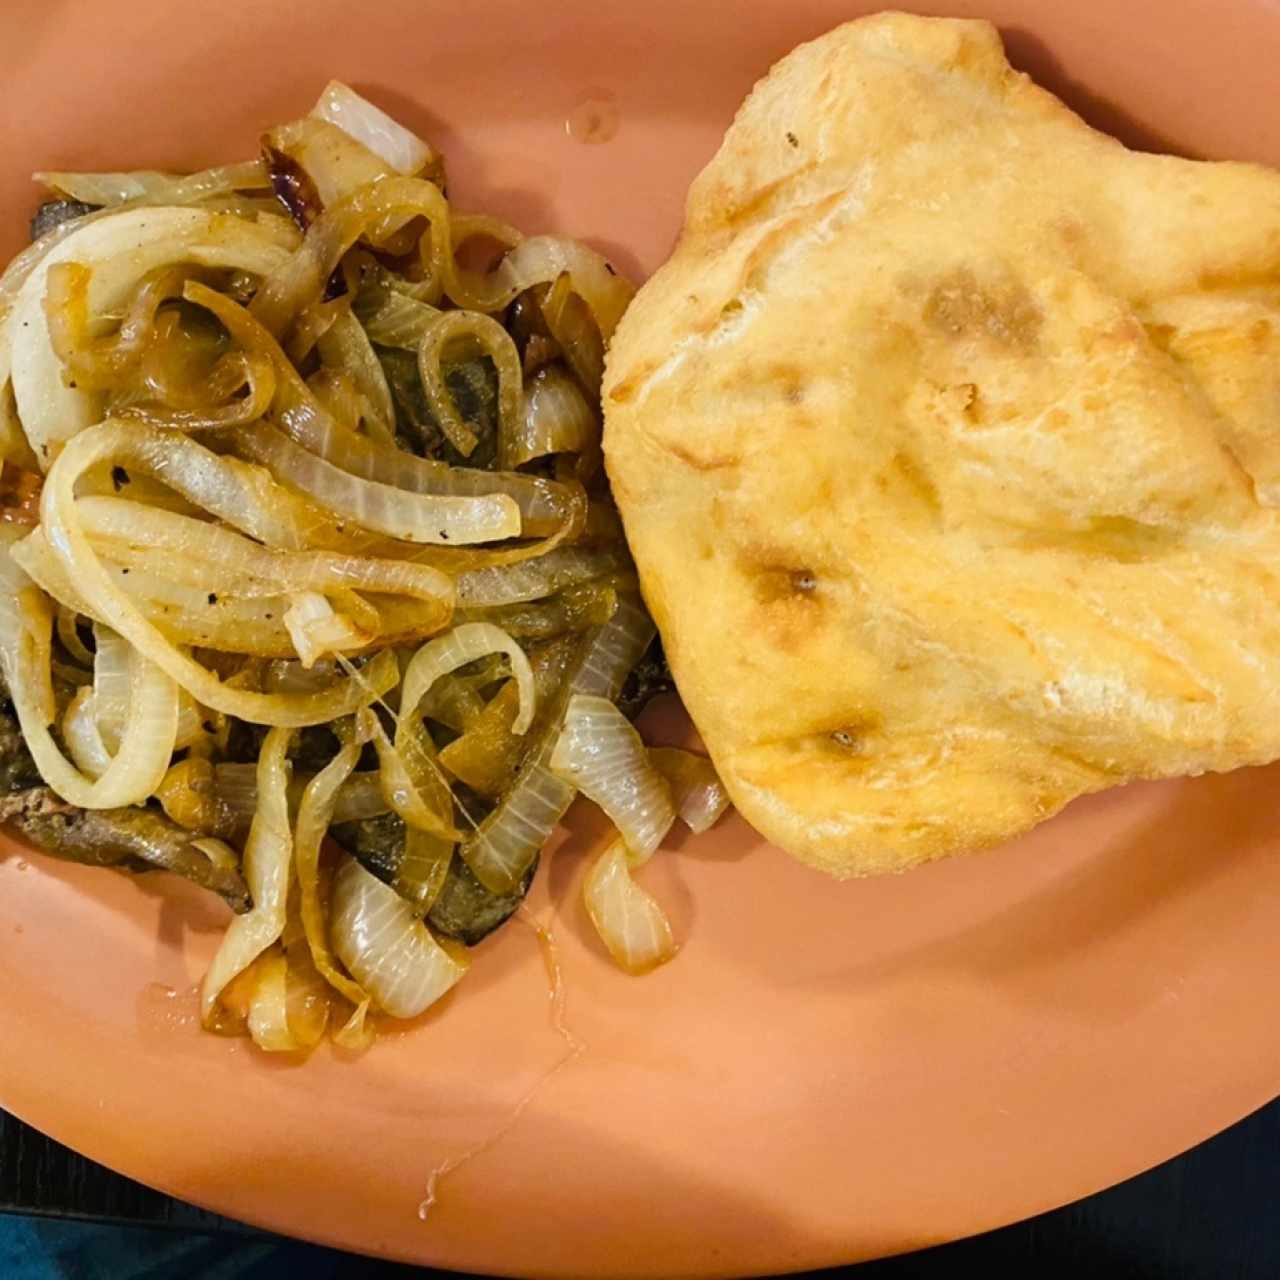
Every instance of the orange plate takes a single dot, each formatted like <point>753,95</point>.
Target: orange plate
<point>826,1072</point>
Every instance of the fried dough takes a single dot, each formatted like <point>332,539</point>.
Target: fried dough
<point>948,446</point>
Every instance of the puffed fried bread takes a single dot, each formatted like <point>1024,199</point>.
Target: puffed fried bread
<point>946,444</point>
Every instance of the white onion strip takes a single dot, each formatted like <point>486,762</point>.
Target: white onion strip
<point>110,681</point>
<point>81,734</point>
<point>105,600</point>
<point>224,559</point>
<point>388,139</point>
<point>120,250</point>
<point>503,584</point>
<point>505,845</point>
<point>542,260</point>
<point>150,728</point>
<point>268,853</point>
<point>629,921</point>
<point>398,513</point>
<point>497,344</point>
<point>601,754</point>
<point>460,646</point>
<point>317,629</point>
<point>557,419</point>
<point>545,506</point>
<point>153,188</point>
<point>699,795</point>
<point>386,948</point>
<point>315,813</point>
<point>182,613</point>
<point>414,783</point>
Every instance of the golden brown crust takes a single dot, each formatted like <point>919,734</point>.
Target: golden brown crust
<point>945,446</point>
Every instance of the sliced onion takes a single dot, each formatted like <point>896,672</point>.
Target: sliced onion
<point>251,624</point>
<point>222,561</point>
<point>540,260</point>
<point>100,363</point>
<point>495,342</point>
<point>288,1003</point>
<point>543,260</point>
<point>576,333</point>
<point>516,584</point>
<point>600,753</point>
<point>183,614</point>
<point>402,149</point>
<point>452,702</point>
<point>300,282</point>
<point>315,813</point>
<point>459,647</point>
<point>267,855</point>
<point>68,622</point>
<point>591,604</point>
<point>487,753</point>
<point>119,250</point>
<point>486,756</point>
<point>80,733</point>
<point>317,629</point>
<point>503,849</point>
<point>699,795</point>
<point>545,506</point>
<point>413,784</point>
<point>110,680</point>
<point>326,159</point>
<point>630,923</point>
<point>146,744</point>
<point>237,788</point>
<point>20,270</point>
<point>345,347</point>
<point>268,1016</point>
<point>337,396</point>
<point>391,317</point>
<point>242,495</point>
<point>411,517</point>
<point>106,601</point>
<point>112,693</point>
<point>557,419</point>
<point>616,648</point>
<point>423,869</point>
<point>153,188</point>
<point>504,846</point>
<point>388,951</point>
<point>13,441</point>
<point>307,995</point>
<point>317,161</point>
<point>224,407</point>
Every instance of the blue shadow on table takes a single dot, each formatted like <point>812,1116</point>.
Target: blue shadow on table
<point>33,1248</point>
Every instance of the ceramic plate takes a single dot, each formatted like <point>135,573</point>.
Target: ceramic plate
<point>827,1072</point>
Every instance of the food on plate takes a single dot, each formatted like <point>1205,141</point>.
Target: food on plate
<point>306,553</point>
<point>946,445</point>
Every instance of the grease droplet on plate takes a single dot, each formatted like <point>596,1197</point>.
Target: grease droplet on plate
<point>595,118</point>
<point>162,1009</point>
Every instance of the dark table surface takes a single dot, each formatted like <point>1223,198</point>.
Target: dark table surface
<point>1211,1214</point>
